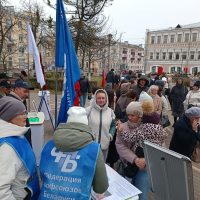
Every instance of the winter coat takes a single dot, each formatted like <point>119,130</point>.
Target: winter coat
<point>177,97</point>
<point>71,137</point>
<point>120,108</point>
<point>124,148</point>
<point>164,105</point>
<point>84,85</point>
<point>14,176</point>
<point>147,131</point>
<point>184,138</point>
<point>103,127</point>
<point>110,77</point>
<point>157,103</point>
<point>192,98</point>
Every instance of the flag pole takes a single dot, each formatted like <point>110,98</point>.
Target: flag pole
<point>56,97</point>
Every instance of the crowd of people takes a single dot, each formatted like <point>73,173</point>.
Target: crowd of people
<point>110,129</point>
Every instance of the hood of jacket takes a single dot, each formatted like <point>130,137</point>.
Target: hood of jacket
<point>94,104</point>
<point>72,136</point>
<point>7,129</point>
<point>143,77</point>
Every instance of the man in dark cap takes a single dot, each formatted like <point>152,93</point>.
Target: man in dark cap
<point>5,88</point>
<point>21,92</point>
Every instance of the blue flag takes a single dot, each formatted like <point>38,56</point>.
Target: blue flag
<point>65,58</point>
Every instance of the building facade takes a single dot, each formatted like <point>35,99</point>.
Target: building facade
<point>14,56</point>
<point>119,56</point>
<point>174,50</point>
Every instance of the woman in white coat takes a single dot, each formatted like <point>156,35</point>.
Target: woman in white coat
<point>101,120</point>
<point>193,97</point>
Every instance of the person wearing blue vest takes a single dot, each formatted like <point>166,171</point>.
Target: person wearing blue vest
<point>18,172</point>
<point>72,163</point>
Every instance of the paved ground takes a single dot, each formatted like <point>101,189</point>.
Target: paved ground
<point>49,132</point>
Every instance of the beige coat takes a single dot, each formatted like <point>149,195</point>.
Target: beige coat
<point>193,97</point>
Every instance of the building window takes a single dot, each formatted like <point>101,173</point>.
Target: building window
<point>165,39</point>
<point>20,24</point>
<point>151,56</point>
<point>9,49</point>
<point>192,55</point>
<point>172,38</point>
<point>154,69</point>
<point>152,39</point>
<point>21,51</point>
<point>194,37</point>
<point>170,55</point>
<point>164,55</point>
<point>187,35</point>
<point>158,39</point>
<point>124,51</point>
<point>184,55</point>
<point>20,38</point>
<point>132,52</point>
<point>179,39</point>
<point>10,62</point>
<point>179,70</point>
<point>157,56</point>
<point>177,56</point>
<point>172,69</point>
<point>132,59</point>
<point>198,55</point>
<point>21,62</point>
<point>8,23</point>
<point>9,35</point>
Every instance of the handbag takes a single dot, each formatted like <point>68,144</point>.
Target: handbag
<point>196,153</point>
<point>131,169</point>
<point>165,121</point>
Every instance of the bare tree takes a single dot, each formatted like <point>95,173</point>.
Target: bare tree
<point>8,20</point>
<point>83,12</point>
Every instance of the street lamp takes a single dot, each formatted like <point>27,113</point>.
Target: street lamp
<point>109,44</point>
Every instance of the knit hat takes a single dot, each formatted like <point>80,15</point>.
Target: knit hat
<point>193,112</point>
<point>5,84</point>
<point>144,97</point>
<point>197,84</point>
<point>164,79</point>
<point>10,108</point>
<point>159,83</point>
<point>134,108</point>
<point>77,114</point>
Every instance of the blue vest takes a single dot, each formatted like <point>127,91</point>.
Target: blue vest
<point>26,155</point>
<point>67,175</point>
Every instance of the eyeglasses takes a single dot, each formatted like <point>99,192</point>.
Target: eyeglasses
<point>22,115</point>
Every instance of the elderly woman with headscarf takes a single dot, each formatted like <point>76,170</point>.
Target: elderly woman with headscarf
<point>18,178</point>
<point>186,133</point>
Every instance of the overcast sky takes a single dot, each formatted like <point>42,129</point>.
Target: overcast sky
<point>131,18</point>
<point>135,16</point>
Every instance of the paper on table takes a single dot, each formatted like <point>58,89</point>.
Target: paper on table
<point>119,187</point>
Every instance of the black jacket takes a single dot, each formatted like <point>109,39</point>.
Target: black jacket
<point>84,85</point>
<point>184,138</point>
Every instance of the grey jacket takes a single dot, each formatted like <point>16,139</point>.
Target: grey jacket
<point>74,136</point>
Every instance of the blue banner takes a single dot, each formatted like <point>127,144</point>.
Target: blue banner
<point>65,58</point>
